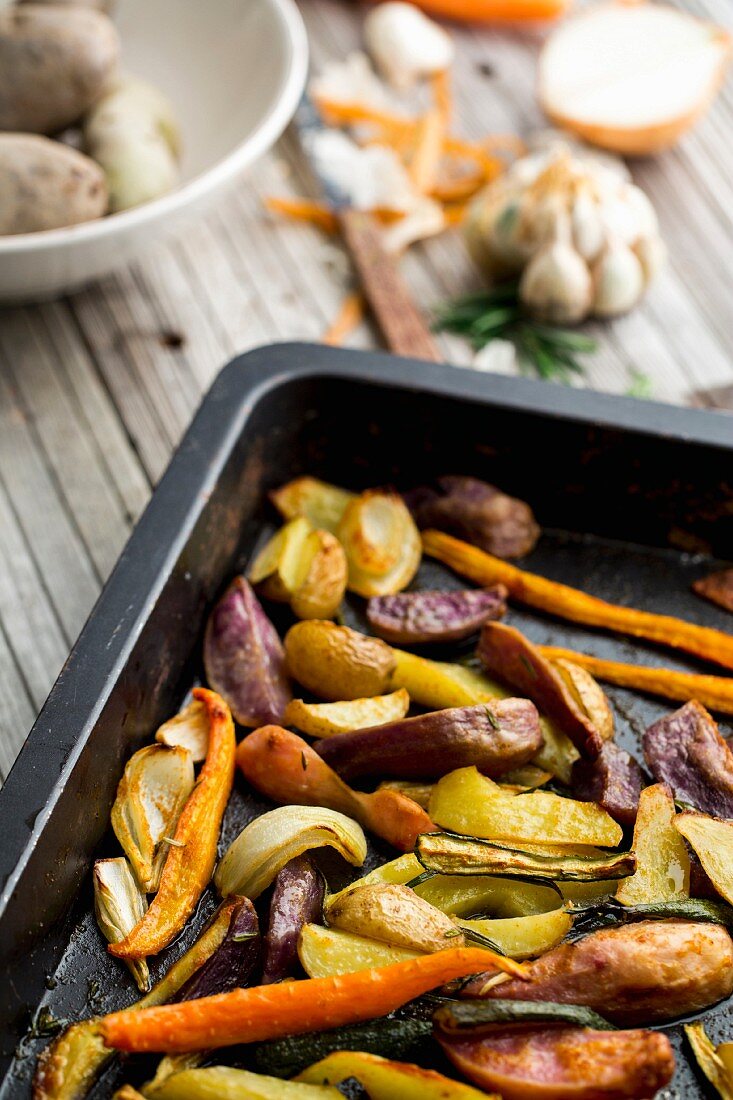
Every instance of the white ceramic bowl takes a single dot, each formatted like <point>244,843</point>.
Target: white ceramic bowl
<point>234,71</point>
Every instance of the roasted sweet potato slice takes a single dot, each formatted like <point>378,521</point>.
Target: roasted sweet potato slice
<point>564,1063</point>
<point>613,780</point>
<point>411,618</point>
<point>509,656</point>
<point>686,751</point>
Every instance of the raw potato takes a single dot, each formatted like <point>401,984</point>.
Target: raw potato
<point>132,132</point>
<point>54,63</point>
<point>335,662</point>
<point>46,185</point>
<point>329,719</point>
<point>466,802</point>
<point>395,915</point>
<point>325,952</point>
<point>662,863</point>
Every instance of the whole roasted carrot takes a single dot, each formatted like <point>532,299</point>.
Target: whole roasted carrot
<point>715,692</point>
<point>569,603</point>
<point>190,862</point>
<point>290,1008</point>
<point>499,11</point>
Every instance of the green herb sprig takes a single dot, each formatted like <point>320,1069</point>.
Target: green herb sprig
<point>552,353</point>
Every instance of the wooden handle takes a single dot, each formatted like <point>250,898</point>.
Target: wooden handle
<point>402,325</point>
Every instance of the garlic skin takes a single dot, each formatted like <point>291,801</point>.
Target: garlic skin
<point>405,45</point>
<point>119,904</point>
<point>618,280</point>
<point>583,238</point>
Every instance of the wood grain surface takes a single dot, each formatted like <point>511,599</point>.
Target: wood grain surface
<point>97,389</point>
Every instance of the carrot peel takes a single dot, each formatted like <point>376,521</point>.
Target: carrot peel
<point>291,1008</point>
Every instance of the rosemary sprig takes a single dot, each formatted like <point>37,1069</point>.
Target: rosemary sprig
<point>552,353</point>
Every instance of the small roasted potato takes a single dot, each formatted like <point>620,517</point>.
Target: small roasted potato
<point>132,132</point>
<point>395,915</point>
<point>46,185</point>
<point>274,569</point>
<point>303,567</point>
<point>588,694</point>
<point>382,543</point>
<point>321,503</point>
<point>329,719</point>
<point>54,63</point>
<point>662,863</point>
<point>335,662</point>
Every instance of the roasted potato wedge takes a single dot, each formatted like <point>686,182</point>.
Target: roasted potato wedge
<point>438,684</point>
<point>336,663</point>
<point>662,863</point>
<point>321,503</point>
<point>588,694</point>
<point>523,937</point>
<point>275,569</point>
<point>303,567</point>
<point>712,841</point>
<point>329,719</point>
<point>382,543</point>
<point>385,1080</point>
<point>324,952</point>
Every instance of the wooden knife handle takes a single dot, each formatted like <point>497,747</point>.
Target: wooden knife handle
<point>402,324</point>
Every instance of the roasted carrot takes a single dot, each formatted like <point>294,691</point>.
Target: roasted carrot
<point>500,11</point>
<point>715,692</point>
<point>190,861</point>
<point>569,603</point>
<point>428,149</point>
<point>348,318</point>
<point>304,210</point>
<point>284,767</point>
<point>291,1008</point>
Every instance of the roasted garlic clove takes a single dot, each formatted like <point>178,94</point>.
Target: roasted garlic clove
<point>189,729</point>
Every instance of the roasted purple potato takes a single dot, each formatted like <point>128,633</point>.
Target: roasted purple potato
<point>297,899</point>
<point>496,737</point>
<point>233,962</point>
<point>685,750</point>
<point>477,512</point>
<point>544,1062</point>
<point>244,658</point>
<point>411,618</point>
<point>632,974</point>
<point>614,780</point>
<point>512,658</point>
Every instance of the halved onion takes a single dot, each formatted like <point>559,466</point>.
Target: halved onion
<point>631,77</point>
<point>269,842</point>
<point>382,543</point>
<point>150,796</point>
<point>119,904</point>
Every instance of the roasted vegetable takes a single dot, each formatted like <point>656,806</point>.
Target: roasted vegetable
<point>558,754</point>
<point>244,657</point>
<point>449,854</point>
<point>327,719</point>
<point>393,915</point>
<point>477,512</point>
<point>225,1083</point>
<point>512,658</point>
<point>68,1067</point>
<point>715,692</point>
<point>418,792</point>
<point>608,912</point>
<point>385,1080</point>
<point>319,502</point>
<point>119,904</point>
<point>662,864</point>
<point>712,842</point>
<point>564,1063</point>
<point>287,770</point>
<point>233,962</point>
<point>335,662</point>
<point>716,587</point>
<point>438,684</point>
<point>389,1036</point>
<point>189,729</point>
<point>382,543</point>
<point>290,1008</point>
<point>303,567</point>
<point>150,797</point>
<point>708,1057</point>
<point>521,937</point>
<point>410,618</point>
<point>191,858</point>
<point>588,694</point>
<point>685,751</point>
<point>474,1018</point>
<point>46,185</point>
<point>328,952</point>
<point>469,803</point>
<point>642,973</point>
<point>613,781</point>
<point>297,900</point>
<point>494,736</point>
<point>273,839</point>
<point>569,603</point>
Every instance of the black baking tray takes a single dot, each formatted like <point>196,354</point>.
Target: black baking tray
<point>635,499</point>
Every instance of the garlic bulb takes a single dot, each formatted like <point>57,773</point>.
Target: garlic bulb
<point>405,45</point>
<point>583,237</point>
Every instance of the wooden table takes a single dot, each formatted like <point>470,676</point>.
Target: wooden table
<point>97,389</point>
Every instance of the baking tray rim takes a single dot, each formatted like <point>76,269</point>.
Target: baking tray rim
<point>163,528</point>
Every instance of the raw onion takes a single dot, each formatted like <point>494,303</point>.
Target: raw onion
<point>631,76</point>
